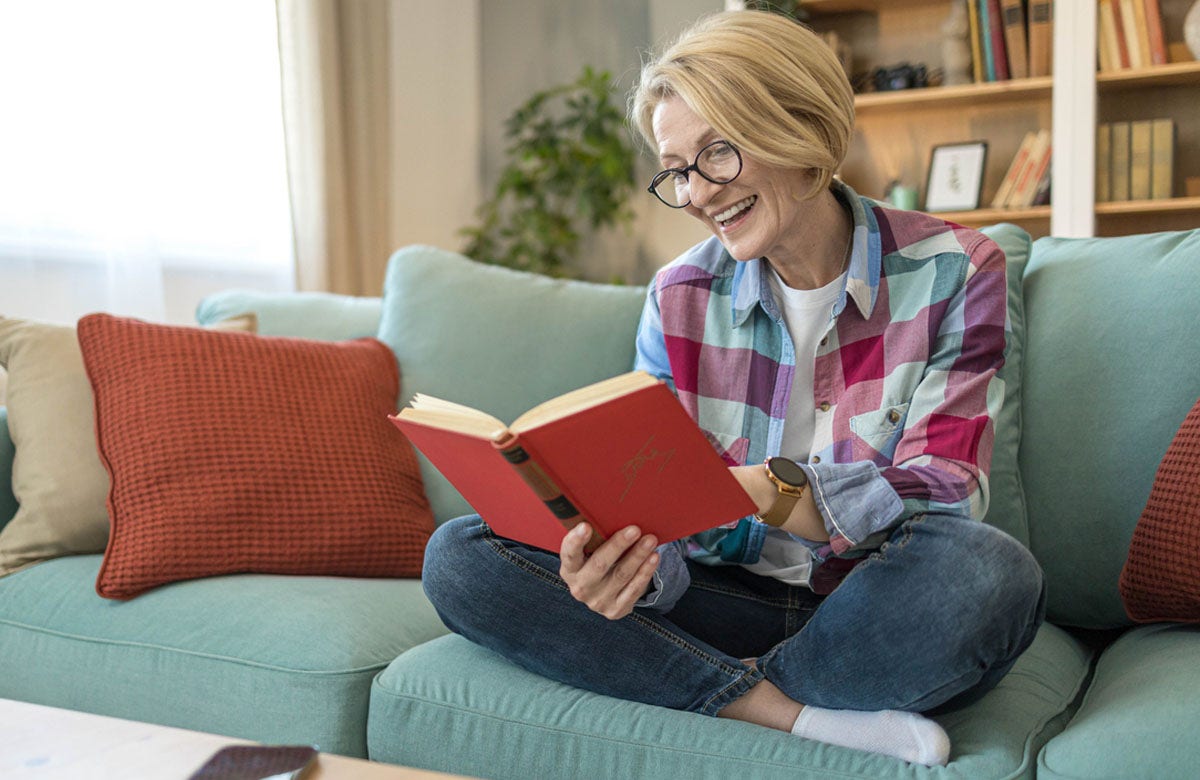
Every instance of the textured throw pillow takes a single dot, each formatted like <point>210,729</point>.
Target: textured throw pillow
<point>230,452</point>
<point>57,478</point>
<point>1161,577</point>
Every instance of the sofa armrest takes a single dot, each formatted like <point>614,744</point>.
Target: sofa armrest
<point>8,502</point>
<point>313,315</point>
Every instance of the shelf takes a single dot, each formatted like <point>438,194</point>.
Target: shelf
<point>1014,89</point>
<point>1148,206</point>
<point>1175,73</point>
<point>992,216</point>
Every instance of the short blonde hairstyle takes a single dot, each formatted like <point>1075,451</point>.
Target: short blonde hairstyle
<point>767,84</point>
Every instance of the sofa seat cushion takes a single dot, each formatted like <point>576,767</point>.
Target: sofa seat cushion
<point>263,657</point>
<point>453,706</point>
<point>1138,718</point>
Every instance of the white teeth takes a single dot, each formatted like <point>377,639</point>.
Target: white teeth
<point>735,209</point>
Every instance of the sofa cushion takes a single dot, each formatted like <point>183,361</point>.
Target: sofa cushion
<point>499,340</point>
<point>57,476</point>
<point>453,706</point>
<point>1161,577</point>
<point>1006,505</point>
<point>1111,367</point>
<point>312,315</point>
<point>230,453</point>
<point>1138,717</point>
<point>269,658</point>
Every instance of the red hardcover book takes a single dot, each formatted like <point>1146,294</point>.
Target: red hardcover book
<point>617,453</point>
<point>996,31</point>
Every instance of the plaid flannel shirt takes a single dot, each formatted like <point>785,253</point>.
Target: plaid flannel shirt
<point>905,386</point>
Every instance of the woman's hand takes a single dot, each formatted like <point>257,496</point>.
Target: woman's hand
<point>612,579</point>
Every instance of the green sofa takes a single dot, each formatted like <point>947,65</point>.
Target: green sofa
<point>1103,366</point>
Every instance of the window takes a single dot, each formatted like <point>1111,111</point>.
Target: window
<point>142,162</point>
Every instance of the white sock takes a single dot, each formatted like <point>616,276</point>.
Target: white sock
<point>904,735</point>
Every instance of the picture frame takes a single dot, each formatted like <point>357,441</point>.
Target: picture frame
<point>955,181</point>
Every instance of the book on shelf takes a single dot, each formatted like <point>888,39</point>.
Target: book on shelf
<point>1156,37</point>
<point>1162,159</point>
<point>1014,170</point>
<point>1036,167</point>
<point>985,39</point>
<point>1119,178</point>
<point>616,453</point>
<point>1103,162</point>
<point>1133,39</point>
<point>978,69</point>
<point>1015,32</point>
<point>1139,159</point>
<point>996,36</point>
<point>1106,39</point>
<point>1041,37</point>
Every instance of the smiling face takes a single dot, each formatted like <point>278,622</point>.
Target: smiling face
<point>758,214</point>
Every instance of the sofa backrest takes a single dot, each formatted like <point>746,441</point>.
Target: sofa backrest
<point>497,339</point>
<point>1111,368</point>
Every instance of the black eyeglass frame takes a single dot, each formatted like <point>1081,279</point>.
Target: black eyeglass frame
<point>686,171</point>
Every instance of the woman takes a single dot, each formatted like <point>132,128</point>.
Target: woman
<point>851,348</point>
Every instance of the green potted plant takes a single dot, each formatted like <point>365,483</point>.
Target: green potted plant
<point>569,170</point>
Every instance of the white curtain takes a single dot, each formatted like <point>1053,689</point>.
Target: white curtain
<point>141,156</point>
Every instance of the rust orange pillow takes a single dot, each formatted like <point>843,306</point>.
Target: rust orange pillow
<point>230,452</point>
<point>1161,577</point>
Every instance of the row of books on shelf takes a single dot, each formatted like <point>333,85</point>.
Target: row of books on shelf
<point>1011,39</point>
<point>1027,181</point>
<point>1130,35</point>
<point>1135,160</point>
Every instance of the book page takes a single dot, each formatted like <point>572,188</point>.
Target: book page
<point>440,413</point>
<point>584,398</point>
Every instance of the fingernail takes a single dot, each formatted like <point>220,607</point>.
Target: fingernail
<point>579,530</point>
<point>631,533</point>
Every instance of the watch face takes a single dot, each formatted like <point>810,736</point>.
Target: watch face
<point>787,472</point>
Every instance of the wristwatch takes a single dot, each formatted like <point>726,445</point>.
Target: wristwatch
<point>790,480</point>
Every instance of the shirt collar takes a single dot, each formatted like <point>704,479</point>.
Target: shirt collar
<point>751,287</point>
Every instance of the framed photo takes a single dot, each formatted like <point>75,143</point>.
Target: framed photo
<point>955,176</point>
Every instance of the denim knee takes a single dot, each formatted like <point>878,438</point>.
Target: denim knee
<point>448,554</point>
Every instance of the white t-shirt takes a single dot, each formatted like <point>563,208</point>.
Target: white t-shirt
<point>807,315</point>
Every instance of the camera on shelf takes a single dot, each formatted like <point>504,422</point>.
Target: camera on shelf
<point>902,76</point>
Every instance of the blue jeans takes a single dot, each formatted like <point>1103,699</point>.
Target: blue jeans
<point>933,619</point>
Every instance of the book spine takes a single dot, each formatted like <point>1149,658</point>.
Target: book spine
<point>543,485</point>
<point>1120,161</point>
<point>999,52</point>
<point>1139,160</point>
<point>1154,29</point>
<point>1162,177</point>
<point>1122,37</point>
<point>977,65</point>
<point>1035,168</point>
<point>1129,27</point>
<point>985,36</point>
<point>1103,163</point>
<point>1014,170</point>
<point>1143,32</point>
<point>1013,12</point>
<point>1106,42</point>
<point>1041,36</point>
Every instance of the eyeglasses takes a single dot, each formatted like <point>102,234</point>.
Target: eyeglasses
<point>720,162</point>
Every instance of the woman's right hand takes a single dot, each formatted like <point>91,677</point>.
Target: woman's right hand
<point>612,579</point>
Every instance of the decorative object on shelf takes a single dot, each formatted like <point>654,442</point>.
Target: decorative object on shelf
<point>901,196</point>
<point>570,169</point>
<point>902,76</point>
<point>1191,29</point>
<point>956,47</point>
<point>955,176</point>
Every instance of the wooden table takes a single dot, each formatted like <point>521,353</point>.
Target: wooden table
<point>46,743</point>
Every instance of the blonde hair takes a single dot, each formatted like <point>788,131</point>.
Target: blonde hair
<point>767,84</point>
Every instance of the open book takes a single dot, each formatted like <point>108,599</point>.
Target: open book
<point>620,452</point>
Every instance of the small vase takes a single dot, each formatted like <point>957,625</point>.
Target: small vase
<point>1191,29</point>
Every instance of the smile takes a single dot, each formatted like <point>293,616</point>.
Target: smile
<point>735,210</point>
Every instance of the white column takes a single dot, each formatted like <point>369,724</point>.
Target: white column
<point>1073,180</point>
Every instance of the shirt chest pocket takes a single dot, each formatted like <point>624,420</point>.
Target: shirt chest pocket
<point>881,429</point>
<point>732,449</point>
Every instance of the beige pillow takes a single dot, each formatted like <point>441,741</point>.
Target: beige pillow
<point>57,475</point>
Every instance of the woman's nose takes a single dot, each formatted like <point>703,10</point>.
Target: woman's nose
<point>701,190</point>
